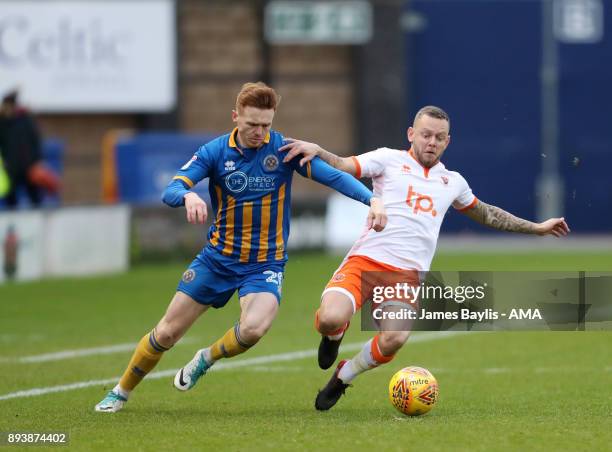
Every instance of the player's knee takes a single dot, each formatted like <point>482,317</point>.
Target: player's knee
<point>166,334</point>
<point>251,332</point>
<point>331,319</point>
<point>391,341</point>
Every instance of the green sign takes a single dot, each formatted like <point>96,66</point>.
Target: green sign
<point>318,22</point>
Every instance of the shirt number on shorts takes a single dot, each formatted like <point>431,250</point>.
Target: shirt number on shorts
<point>274,277</point>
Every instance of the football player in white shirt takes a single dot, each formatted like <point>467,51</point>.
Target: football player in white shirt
<point>417,190</point>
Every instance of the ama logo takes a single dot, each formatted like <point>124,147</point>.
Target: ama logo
<point>420,203</point>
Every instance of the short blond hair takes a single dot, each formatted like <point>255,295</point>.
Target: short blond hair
<point>433,112</point>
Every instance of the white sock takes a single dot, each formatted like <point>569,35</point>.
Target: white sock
<point>122,392</point>
<point>361,362</point>
<point>208,356</point>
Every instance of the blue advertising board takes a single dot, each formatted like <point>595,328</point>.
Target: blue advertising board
<point>147,162</point>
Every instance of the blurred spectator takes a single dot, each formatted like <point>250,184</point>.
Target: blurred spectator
<point>10,246</point>
<point>20,149</point>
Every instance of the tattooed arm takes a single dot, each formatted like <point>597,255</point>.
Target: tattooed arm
<point>309,151</point>
<point>497,218</point>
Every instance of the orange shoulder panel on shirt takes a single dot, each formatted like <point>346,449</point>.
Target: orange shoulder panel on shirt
<point>469,206</point>
<point>357,167</point>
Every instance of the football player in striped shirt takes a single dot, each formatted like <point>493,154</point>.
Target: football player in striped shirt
<point>250,191</point>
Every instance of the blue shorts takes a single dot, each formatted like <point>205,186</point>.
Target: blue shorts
<point>208,281</point>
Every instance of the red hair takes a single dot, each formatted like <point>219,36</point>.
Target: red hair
<point>257,95</point>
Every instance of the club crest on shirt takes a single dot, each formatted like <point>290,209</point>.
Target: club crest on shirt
<point>270,163</point>
<point>189,276</point>
<point>445,180</point>
<point>338,277</point>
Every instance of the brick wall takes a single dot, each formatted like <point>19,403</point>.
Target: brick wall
<point>219,50</point>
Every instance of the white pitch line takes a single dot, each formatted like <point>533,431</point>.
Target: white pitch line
<point>497,370</point>
<point>77,353</point>
<point>270,369</point>
<point>281,357</point>
<point>68,354</point>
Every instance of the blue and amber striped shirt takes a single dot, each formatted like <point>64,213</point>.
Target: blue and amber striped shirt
<point>250,191</point>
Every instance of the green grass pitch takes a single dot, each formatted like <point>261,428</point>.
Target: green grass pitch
<point>498,391</point>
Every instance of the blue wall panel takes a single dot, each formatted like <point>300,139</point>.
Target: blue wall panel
<point>480,61</point>
<point>586,130</point>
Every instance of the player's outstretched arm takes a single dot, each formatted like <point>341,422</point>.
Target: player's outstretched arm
<point>497,218</point>
<point>309,151</point>
<point>176,195</point>
<point>325,174</point>
<point>343,183</point>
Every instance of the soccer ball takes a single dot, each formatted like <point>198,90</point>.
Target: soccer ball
<point>413,391</point>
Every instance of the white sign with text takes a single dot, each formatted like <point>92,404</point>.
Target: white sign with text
<point>89,56</point>
<point>75,241</point>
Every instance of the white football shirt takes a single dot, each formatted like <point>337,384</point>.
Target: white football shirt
<point>416,199</point>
